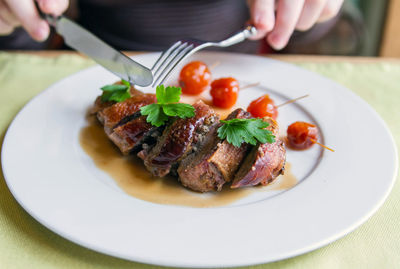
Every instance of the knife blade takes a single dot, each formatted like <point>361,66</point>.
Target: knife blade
<point>113,60</point>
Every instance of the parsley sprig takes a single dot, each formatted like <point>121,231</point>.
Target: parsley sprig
<point>167,106</point>
<point>116,92</point>
<point>237,131</point>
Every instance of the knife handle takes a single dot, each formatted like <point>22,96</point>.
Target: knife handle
<point>52,20</point>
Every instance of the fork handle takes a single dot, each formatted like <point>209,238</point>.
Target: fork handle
<point>249,31</point>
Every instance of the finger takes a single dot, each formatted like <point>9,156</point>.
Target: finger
<point>262,16</point>
<point>5,28</point>
<point>26,13</point>
<point>7,15</point>
<point>312,10</point>
<point>287,15</point>
<point>53,7</point>
<point>330,10</point>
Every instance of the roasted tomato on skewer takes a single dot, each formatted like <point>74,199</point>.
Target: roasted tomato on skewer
<point>301,135</point>
<point>262,107</point>
<point>224,92</point>
<point>195,77</point>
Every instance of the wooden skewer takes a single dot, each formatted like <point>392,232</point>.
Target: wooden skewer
<point>292,101</point>
<point>250,85</point>
<point>211,67</point>
<point>325,147</point>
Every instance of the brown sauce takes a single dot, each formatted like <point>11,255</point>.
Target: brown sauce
<point>132,177</point>
<point>283,182</point>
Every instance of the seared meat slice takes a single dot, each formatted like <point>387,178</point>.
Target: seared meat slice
<point>123,122</point>
<point>100,105</point>
<point>264,162</point>
<point>112,115</point>
<point>215,163</point>
<point>130,136</point>
<point>178,139</point>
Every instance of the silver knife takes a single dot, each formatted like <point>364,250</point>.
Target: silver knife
<point>113,60</point>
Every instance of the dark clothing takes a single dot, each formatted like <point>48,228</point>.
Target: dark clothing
<point>155,24</point>
<point>20,40</point>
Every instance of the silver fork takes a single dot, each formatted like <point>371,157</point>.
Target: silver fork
<point>175,54</point>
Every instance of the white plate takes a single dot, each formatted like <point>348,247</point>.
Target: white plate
<point>58,184</point>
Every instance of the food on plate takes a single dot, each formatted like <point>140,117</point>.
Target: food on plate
<point>127,128</point>
<point>111,116</point>
<point>99,105</point>
<point>190,142</point>
<point>224,92</point>
<point>215,163</point>
<point>301,135</point>
<point>110,93</point>
<point>245,130</point>
<point>167,106</point>
<point>129,137</point>
<point>181,137</point>
<point>263,106</point>
<point>263,163</point>
<point>195,77</point>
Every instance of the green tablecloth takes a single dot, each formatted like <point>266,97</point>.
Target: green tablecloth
<point>24,243</point>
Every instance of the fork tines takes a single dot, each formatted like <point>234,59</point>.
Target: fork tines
<point>168,60</point>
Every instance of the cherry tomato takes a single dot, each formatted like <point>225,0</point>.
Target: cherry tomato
<point>300,135</point>
<point>224,92</point>
<point>262,107</point>
<point>195,77</point>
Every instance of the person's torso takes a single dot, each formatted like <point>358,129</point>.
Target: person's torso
<point>156,24</point>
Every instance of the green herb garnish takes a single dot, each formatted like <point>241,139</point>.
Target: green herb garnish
<point>116,92</point>
<point>237,131</point>
<point>167,106</point>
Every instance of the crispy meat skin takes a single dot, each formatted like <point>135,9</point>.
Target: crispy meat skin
<point>131,134</point>
<point>264,162</point>
<point>112,115</point>
<point>215,163</point>
<point>100,105</point>
<point>177,140</point>
<point>123,122</point>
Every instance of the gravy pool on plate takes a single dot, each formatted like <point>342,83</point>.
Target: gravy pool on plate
<point>131,175</point>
